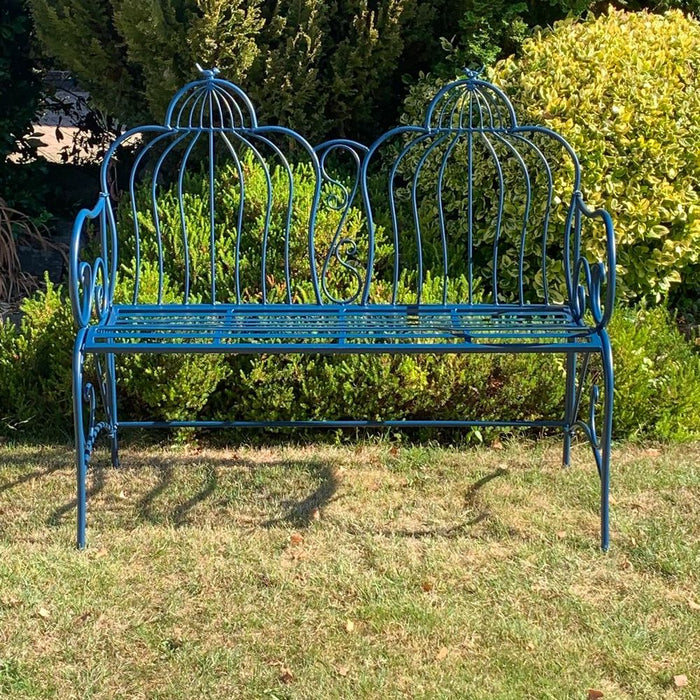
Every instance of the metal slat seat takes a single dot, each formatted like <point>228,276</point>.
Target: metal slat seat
<point>252,328</point>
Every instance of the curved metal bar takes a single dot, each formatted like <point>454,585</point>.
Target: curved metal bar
<point>354,148</point>
<point>85,275</point>
<point>212,208</point>
<point>561,140</point>
<point>208,83</point>
<point>499,215</point>
<point>215,102</point>
<point>414,202</point>
<point>134,209</point>
<point>601,272</point>
<point>484,105</point>
<point>183,221</point>
<point>344,205</point>
<point>441,215</point>
<point>453,103</point>
<point>239,222</point>
<point>85,424</point>
<point>290,199</point>
<point>472,84</point>
<point>268,206</point>
<point>548,209</point>
<point>156,215</point>
<point>470,205</point>
<point>120,140</point>
<point>526,215</point>
<point>422,134</point>
<point>193,96</point>
<point>316,198</point>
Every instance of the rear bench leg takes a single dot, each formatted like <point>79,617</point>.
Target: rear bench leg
<point>112,407</point>
<point>570,406</point>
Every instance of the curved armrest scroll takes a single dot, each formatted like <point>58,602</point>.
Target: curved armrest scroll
<point>590,278</point>
<point>88,280</point>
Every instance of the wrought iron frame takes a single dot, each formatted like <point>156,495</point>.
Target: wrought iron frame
<point>470,108</point>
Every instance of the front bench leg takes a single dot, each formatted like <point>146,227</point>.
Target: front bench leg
<point>606,441</point>
<point>81,455</point>
<point>600,442</point>
<point>86,426</point>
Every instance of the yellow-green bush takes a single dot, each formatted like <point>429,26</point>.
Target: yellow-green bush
<point>624,89</point>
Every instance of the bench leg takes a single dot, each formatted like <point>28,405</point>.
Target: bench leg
<point>80,451</point>
<point>570,406</point>
<point>112,408</point>
<point>606,442</point>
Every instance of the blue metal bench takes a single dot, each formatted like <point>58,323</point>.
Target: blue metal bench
<point>481,227</point>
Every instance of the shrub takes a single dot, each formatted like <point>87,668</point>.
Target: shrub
<point>657,376</point>
<point>35,365</point>
<point>320,67</point>
<point>624,90</point>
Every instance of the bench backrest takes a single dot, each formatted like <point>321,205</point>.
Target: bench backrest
<point>466,207</point>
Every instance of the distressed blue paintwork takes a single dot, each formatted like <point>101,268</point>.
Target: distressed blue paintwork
<point>468,119</point>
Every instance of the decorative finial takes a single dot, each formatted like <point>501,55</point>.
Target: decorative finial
<point>473,74</point>
<point>206,73</point>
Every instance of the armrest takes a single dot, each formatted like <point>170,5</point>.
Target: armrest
<point>88,281</point>
<point>589,278</point>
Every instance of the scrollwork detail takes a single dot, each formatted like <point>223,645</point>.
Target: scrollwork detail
<point>92,427</point>
<point>91,296</point>
<point>340,197</point>
<point>589,280</point>
<point>89,281</point>
<point>345,259</point>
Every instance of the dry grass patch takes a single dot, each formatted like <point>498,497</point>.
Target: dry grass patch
<point>336,572</point>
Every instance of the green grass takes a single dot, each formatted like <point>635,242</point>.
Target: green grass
<point>350,572</point>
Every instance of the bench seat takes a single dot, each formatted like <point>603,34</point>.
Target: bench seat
<point>277,328</point>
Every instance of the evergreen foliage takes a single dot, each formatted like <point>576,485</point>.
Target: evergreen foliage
<point>20,92</point>
<point>624,90</point>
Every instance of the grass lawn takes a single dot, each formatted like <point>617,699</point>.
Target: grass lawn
<point>350,572</point>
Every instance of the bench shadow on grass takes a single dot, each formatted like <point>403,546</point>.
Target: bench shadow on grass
<point>471,502</point>
<point>157,506</point>
<point>96,483</point>
<point>23,460</point>
<point>298,513</point>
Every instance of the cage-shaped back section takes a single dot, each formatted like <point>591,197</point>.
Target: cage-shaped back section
<point>476,208</point>
<point>213,207</point>
<point>466,207</point>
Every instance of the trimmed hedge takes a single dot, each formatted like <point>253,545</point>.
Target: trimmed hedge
<point>657,381</point>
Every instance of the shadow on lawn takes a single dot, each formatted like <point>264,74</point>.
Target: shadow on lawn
<point>95,485</point>
<point>167,500</point>
<point>299,513</point>
<point>471,502</point>
<point>56,457</point>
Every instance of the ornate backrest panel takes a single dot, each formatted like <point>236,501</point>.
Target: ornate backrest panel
<point>214,207</point>
<point>478,208</point>
<point>466,207</point>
